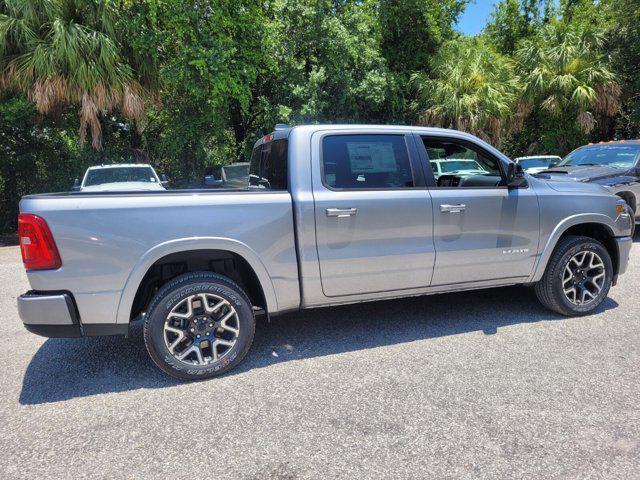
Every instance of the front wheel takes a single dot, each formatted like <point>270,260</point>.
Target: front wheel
<point>199,325</point>
<point>578,277</point>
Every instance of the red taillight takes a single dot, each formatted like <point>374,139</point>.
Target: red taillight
<point>39,251</point>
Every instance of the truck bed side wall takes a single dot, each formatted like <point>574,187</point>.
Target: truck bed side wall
<point>108,241</point>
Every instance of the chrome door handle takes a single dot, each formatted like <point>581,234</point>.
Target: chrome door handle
<point>341,212</point>
<point>461,207</point>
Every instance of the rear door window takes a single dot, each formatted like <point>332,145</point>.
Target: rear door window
<point>366,162</point>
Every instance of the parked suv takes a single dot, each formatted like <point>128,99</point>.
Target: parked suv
<point>333,214</point>
<point>615,165</point>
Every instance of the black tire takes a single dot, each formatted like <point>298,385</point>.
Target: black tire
<point>549,289</point>
<point>176,291</point>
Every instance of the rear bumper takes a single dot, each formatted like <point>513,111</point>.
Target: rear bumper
<point>50,314</point>
<point>55,315</point>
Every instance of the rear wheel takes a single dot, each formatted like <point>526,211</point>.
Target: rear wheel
<point>578,277</point>
<point>199,325</point>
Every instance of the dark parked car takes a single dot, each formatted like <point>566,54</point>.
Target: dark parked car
<point>614,165</point>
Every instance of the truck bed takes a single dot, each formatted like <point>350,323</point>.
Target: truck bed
<point>107,241</point>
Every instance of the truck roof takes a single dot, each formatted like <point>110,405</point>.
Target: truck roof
<point>284,132</point>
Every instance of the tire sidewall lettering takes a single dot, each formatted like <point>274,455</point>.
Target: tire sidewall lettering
<point>163,307</point>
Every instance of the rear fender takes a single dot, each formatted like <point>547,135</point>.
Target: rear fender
<point>186,244</point>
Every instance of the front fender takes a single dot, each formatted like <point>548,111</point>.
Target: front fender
<point>195,243</point>
<point>560,229</point>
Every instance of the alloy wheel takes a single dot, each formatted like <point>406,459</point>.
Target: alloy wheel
<point>201,329</point>
<point>583,278</point>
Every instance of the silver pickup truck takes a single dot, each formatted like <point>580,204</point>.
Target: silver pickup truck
<point>333,214</point>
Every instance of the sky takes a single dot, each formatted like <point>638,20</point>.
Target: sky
<point>475,17</point>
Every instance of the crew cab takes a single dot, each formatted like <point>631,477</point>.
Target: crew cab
<point>333,214</point>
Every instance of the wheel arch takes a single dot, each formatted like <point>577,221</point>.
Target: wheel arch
<point>630,198</point>
<point>597,226</point>
<point>181,249</point>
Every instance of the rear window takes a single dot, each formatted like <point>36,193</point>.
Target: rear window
<point>268,167</point>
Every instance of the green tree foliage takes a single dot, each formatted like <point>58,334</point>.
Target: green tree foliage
<point>210,55</point>
<point>35,156</point>
<point>68,52</point>
<point>513,21</point>
<point>413,30</point>
<point>565,71</point>
<point>567,81</point>
<point>475,89</point>
<point>330,64</point>
<point>623,42</point>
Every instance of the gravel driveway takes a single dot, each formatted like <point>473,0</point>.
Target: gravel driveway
<point>482,384</point>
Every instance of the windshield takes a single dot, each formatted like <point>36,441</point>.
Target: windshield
<point>620,156</point>
<point>457,165</point>
<point>536,162</point>
<point>118,175</point>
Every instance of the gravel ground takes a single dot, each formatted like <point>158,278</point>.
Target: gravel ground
<point>482,384</point>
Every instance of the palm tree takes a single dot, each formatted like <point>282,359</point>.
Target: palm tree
<point>473,88</point>
<point>566,76</point>
<point>62,53</point>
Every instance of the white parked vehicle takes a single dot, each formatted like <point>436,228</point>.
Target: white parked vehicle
<point>120,177</point>
<point>459,166</point>
<point>537,163</point>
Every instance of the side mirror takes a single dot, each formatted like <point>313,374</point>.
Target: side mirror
<point>76,185</point>
<point>515,176</point>
<point>211,181</point>
<point>164,181</point>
